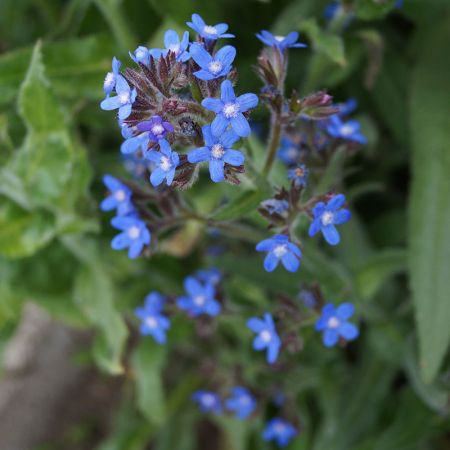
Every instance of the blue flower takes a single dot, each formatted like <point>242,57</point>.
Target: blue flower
<point>156,127</point>
<point>308,298</point>
<point>289,151</point>
<point>123,100</point>
<point>153,323</point>
<point>211,32</point>
<point>347,107</point>
<point>279,248</point>
<point>280,431</point>
<point>281,42</point>
<point>215,66</point>
<point>229,110</point>
<point>134,143</point>
<point>299,175</point>
<point>275,206</point>
<point>267,337</point>
<point>200,298</point>
<point>333,322</point>
<point>241,402</point>
<point>217,151</point>
<point>119,197</point>
<point>111,77</point>
<point>332,9</point>
<point>141,55</point>
<point>211,276</point>
<point>173,43</point>
<point>349,130</point>
<point>326,216</point>
<point>134,236</point>
<point>207,401</point>
<point>165,163</point>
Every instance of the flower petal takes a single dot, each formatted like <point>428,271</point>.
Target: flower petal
<point>330,338</point>
<point>213,104</point>
<point>345,311</point>
<point>216,170</point>
<point>255,324</point>
<point>270,262</point>
<point>157,177</point>
<point>120,241</point>
<point>200,55</point>
<point>348,331</point>
<point>247,101</point>
<point>199,155</point>
<point>234,157</point>
<point>219,124</point>
<point>226,55</point>
<point>336,202</point>
<point>331,234</point>
<point>290,262</point>
<point>240,125</point>
<point>227,92</point>
<point>342,216</point>
<point>171,38</point>
<point>110,103</point>
<point>315,227</point>
<point>229,138</point>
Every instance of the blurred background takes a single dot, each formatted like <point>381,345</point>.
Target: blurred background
<point>75,376</point>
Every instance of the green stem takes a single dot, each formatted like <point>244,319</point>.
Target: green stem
<point>274,142</point>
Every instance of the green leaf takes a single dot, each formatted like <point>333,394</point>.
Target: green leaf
<point>373,9</point>
<point>148,361</point>
<point>429,253</point>
<point>245,203</point>
<point>94,295</point>
<point>331,45</point>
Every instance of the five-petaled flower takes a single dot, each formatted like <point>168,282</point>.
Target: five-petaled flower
<point>279,248</point>
<point>215,66</point>
<point>289,151</point>
<point>334,324</point>
<point>326,216</point>
<point>173,43</point>
<point>153,322</point>
<point>211,32</point>
<point>141,55</point>
<point>217,151</point>
<point>280,431</point>
<point>349,130</point>
<point>134,235</point>
<point>281,42</point>
<point>299,175</point>
<point>123,100</point>
<point>229,109</point>
<point>156,127</point>
<point>241,402</point>
<point>111,77</point>
<point>165,163</point>
<point>266,336</point>
<point>207,401</point>
<point>119,197</point>
<point>199,299</point>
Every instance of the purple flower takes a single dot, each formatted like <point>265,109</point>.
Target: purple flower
<point>165,163</point>
<point>211,32</point>
<point>299,175</point>
<point>333,322</point>
<point>229,110</point>
<point>173,43</point>
<point>111,77</point>
<point>241,402</point>
<point>349,130</point>
<point>279,248</point>
<point>217,151</point>
<point>123,100</point>
<point>134,235</point>
<point>281,42</point>
<point>267,337</point>
<point>153,323</point>
<point>141,55</point>
<point>326,216</point>
<point>215,66</point>
<point>200,298</point>
<point>156,127</point>
<point>119,197</point>
<point>207,401</point>
<point>280,431</point>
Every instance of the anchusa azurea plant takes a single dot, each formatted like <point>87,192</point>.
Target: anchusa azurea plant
<point>180,108</point>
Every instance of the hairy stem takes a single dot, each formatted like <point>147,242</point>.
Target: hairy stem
<point>274,142</point>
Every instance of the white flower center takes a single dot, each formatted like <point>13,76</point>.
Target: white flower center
<point>217,151</point>
<point>157,129</point>
<point>244,400</point>
<point>151,322</point>
<point>134,232</point>
<point>210,29</point>
<point>346,130</point>
<point>280,250</point>
<point>208,399</point>
<point>215,67</point>
<point>175,48</point>
<point>279,38</point>
<point>109,79</point>
<point>333,322</point>
<point>230,110</point>
<point>327,218</point>
<point>199,300</point>
<point>279,428</point>
<point>265,336</point>
<point>292,152</point>
<point>165,163</point>
<point>124,98</point>
<point>120,195</point>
